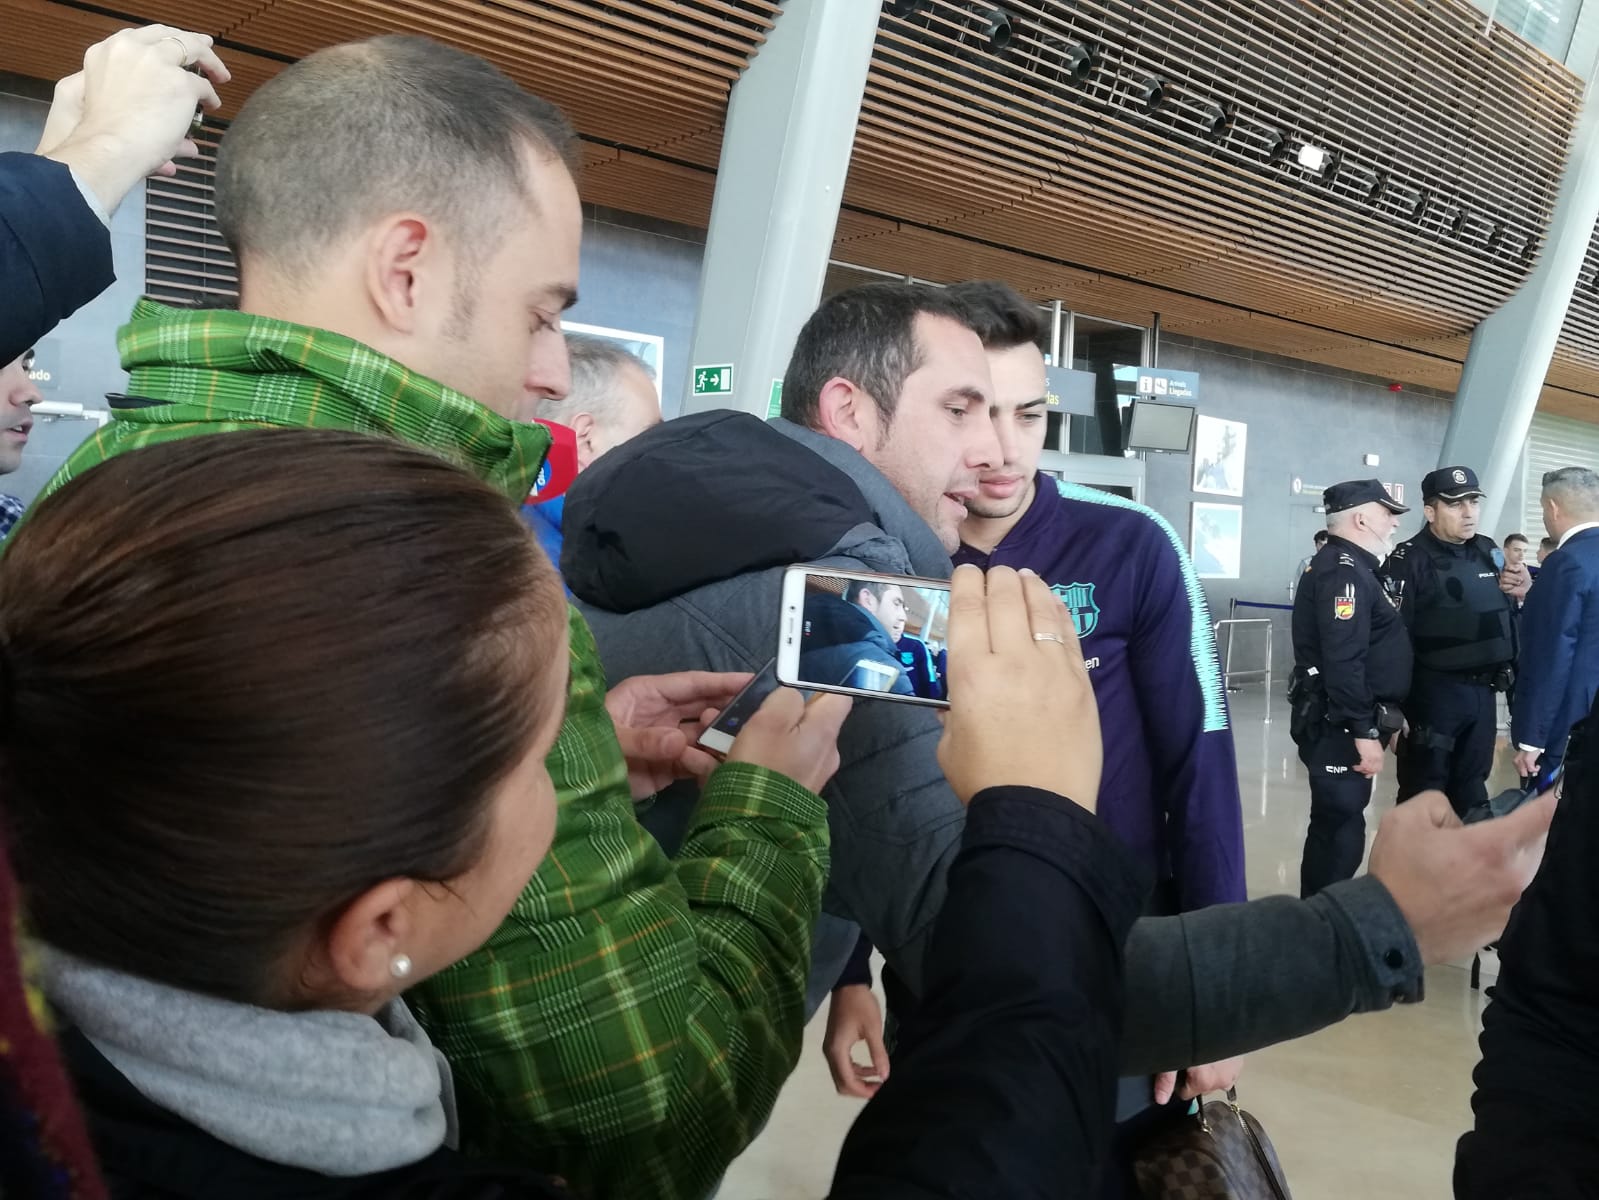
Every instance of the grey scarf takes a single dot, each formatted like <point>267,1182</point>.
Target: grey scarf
<point>334,1092</point>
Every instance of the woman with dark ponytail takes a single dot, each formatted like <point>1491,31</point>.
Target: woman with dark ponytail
<point>277,712</point>
<point>277,706</point>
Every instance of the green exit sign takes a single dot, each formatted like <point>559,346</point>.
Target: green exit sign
<point>714,380</point>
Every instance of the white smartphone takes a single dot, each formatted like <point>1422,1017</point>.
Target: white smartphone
<point>719,734</point>
<point>879,636</point>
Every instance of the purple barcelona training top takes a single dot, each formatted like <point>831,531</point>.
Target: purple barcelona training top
<point>1170,785</point>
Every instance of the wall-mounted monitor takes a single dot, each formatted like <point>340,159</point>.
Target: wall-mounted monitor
<point>1157,426</point>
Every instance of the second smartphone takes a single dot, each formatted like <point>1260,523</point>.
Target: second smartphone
<point>878,636</point>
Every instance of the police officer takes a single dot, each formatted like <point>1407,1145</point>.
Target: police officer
<point>1456,594</point>
<point>1351,669</point>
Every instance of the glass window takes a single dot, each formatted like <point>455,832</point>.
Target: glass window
<point>1546,24</point>
<point>1113,352</point>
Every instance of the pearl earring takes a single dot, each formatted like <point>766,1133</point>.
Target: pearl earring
<point>400,966</point>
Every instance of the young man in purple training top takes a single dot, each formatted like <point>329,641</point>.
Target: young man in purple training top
<point>1170,789</point>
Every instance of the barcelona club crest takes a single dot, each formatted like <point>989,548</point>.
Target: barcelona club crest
<point>1079,601</point>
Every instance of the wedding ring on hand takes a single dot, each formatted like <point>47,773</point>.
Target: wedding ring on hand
<point>1049,637</point>
<point>183,50</point>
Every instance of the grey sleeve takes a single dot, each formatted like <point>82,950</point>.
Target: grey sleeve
<point>1233,978</point>
<point>1201,987</point>
<point>896,829</point>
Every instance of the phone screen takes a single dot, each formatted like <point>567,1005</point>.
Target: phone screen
<point>873,634</point>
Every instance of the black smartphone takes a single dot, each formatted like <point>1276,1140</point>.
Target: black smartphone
<point>718,736</point>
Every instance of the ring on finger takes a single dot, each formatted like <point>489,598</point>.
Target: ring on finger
<point>1049,637</point>
<point>183,50</point>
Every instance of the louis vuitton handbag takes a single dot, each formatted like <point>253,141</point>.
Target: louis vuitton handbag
<point>1219,1153</point>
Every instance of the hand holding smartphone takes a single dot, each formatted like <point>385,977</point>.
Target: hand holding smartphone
<point>781,729</point>
<point>794,736</point>
<point>719,735</point>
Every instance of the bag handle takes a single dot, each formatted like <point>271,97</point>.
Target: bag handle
<point>1199,1108</point>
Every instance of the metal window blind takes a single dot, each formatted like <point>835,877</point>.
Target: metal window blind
<point>185,260</point>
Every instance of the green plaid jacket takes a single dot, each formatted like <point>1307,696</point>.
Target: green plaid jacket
<point>631,1022</point>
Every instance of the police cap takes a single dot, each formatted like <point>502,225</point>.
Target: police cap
<point>1451,483</point>
<point>1357,492</point>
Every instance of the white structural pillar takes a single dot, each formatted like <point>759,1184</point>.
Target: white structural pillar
<point>1511,350</point>
<point>785,152</point>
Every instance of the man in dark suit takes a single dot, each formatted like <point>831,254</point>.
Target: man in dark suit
<point>1560,625</point>
<point>1536,1107</point>
<point>126,115</point>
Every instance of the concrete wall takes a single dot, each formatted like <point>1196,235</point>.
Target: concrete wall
<point>1304,420</point>
<point>84,346</point>
<point>644,276</point>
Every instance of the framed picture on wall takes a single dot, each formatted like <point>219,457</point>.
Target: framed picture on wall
<point>1219,456</point>
<point>647,346</point>
<point>1216,540</point>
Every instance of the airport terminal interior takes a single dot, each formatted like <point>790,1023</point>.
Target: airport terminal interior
<point>1272,246</point>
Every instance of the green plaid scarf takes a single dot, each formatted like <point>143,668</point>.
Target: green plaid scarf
<point>631,1022</point>
<point>230,370</point>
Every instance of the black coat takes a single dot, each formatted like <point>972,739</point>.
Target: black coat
<point>1347,628</point>
<point>1536,1105</point>
<point>1004,1080</point>
<point>147,1153</point>
<point>55,255</point>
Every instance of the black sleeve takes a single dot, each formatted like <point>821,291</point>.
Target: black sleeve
<point>1343,601</point>
<point>1536,1107</point>
<point>55,255</point>
<point>858,969</point>
<point>1010,1059</point>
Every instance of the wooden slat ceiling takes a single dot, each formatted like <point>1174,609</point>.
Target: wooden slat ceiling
<point>1047,158</point>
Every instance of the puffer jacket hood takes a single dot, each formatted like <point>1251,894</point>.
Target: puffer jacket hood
<point>715,495</point>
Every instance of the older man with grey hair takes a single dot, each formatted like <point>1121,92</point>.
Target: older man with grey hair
<point>1560,625</point>
<point>1352,663</point>
<point>612,398</point>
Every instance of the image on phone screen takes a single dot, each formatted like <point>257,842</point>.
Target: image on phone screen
<point>719,735</point>
<point>882,636</point>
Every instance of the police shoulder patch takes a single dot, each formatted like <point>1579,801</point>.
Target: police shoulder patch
<point>1344,604</point>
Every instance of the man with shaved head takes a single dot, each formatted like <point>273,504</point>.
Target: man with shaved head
<point>406,222</point>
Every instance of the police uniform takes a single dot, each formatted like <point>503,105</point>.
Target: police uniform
<point>1351,671</point>
<point>1462,628</point>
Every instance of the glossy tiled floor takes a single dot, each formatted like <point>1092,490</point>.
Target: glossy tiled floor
<point>1370,1108</point>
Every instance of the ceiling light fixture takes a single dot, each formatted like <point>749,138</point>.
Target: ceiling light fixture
<point>1079,60</point>
<point>1214,120</point>
<point>1000,30</point>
